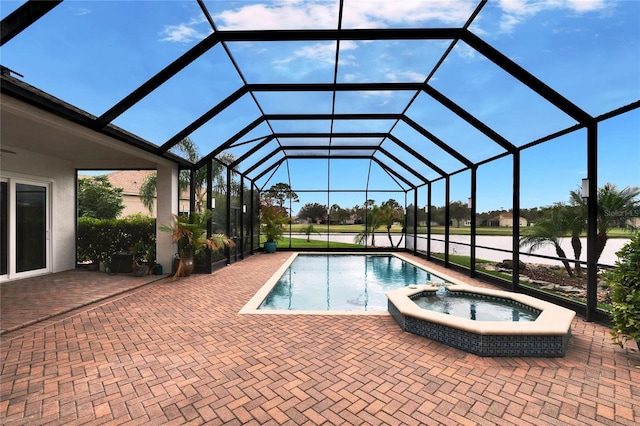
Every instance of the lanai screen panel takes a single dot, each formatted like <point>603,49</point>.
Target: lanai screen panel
<point>285,62</point>
<point>295,102</point>
<point>496,98</point>
<point>226,124</point>
<point>421,143</point>
<point>452,129</point>
<point>372,101</point>
<point>601,76</point>
<point>388,60</point>
<point>80,51</point>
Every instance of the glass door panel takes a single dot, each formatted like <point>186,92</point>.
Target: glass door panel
<point>4,228</point>
<point>31,227</point>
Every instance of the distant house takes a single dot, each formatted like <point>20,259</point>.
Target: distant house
<point>504,219</point>
<point>130,181</point>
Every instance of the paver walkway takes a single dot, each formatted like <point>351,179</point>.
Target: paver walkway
<point>179,353</point>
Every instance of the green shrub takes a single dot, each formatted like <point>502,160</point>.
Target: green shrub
<point>98,239</point>
<point>624,281</point>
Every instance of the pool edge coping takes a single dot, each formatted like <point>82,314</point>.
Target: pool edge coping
<point>553,320</point>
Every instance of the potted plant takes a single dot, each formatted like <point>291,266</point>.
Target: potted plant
<point>272,221</point>
<point>624,282</point>
<point>144,256</point>
<point>190,234</point>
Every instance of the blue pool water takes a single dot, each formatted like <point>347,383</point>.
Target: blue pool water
<point>476,307</point>
<point>342,282</point>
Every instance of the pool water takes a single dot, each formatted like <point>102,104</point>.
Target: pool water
<point>476,307</point>
<point>342,282</point>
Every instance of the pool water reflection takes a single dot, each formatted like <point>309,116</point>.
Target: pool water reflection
<point>342,282</point>
<point>476,307</point>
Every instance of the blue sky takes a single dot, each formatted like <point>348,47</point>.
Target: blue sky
<point>93,53</point>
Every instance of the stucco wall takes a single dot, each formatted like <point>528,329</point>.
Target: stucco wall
<point>61,175</point>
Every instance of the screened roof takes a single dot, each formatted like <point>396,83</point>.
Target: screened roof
<point>395,94</point>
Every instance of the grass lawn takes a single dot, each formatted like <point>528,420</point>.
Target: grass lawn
<point>316,244</point>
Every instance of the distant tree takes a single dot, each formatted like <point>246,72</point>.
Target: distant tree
<point>422,214</point>
<point>314,211</point>
<point>359,213</point>
<point>531,214</point>
<point>338,215</point>
<point>438,215</point>
<point>459,212</point>
<point>281,192</point>
<point>98,198</point>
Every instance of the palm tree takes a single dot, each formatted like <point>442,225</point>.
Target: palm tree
<point>308,230</point>
<point>548,230</point>
<point>390,213</point>
<point>372,222</point>
<point>575,221</point>
<point>187,148</point>
<point>614,207</point>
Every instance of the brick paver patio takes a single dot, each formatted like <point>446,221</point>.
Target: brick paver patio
<point>178,352</point>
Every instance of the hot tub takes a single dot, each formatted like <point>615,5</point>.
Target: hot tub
<point>547,336</point>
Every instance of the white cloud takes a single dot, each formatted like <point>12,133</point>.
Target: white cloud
<point>384,13</point>
<point>184,32</point>
<point>323,53</point>
<point>516,11</point>
<point>282,14</point>
<point>406,76</point>
<point>81,11</point>
<point>465,51</point>
<point>304,14</point>
<point>320,52</point>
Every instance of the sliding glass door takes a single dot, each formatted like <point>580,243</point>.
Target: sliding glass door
<point>25,228</point>
<point>4,227</point>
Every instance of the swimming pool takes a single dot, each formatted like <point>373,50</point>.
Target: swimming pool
<point>339,282</point>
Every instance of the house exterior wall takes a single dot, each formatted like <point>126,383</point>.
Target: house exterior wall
<point>60,174</point>
<point>133,205</point>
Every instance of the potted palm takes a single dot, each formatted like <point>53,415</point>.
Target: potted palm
<point>144,256</point>
<point>624,282</point>
<point>189,233</point>
<point>272,221</point>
